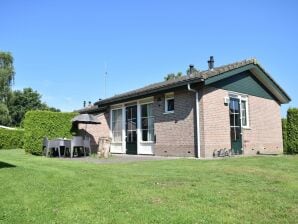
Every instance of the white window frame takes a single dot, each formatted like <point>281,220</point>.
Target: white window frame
<point>112,131</point>
<point>169,96</point>
<point>241,98</point>
<point>141,129</point>
<point>244,99</point>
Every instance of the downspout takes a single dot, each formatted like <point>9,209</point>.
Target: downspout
<point>197,114</point>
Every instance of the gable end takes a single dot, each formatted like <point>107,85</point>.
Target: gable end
<point>245,82</point>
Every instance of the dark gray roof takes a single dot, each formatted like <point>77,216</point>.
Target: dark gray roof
<point>180,81</point>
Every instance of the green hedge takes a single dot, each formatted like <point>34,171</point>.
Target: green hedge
<point>284,134</point>
<point>292,130</point>
<point>11,139</point>
<point>39,124</point>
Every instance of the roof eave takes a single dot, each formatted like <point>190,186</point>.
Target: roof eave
<point>145,93</point>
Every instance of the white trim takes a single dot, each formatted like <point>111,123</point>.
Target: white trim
<point>138,127</point>
<point>242,97</point>
<point>245,99</point>
<point>111,124</point>
<point>169,96</point>
<point>123,129</point>
<point>169,112</point>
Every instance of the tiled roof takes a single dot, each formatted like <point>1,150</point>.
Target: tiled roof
<point>180,81</point>
<point>195,77</point>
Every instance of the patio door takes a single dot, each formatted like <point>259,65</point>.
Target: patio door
<point>131,130</point>
<point>235,126</point>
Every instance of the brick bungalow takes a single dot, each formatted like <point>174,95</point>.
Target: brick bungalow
<point>234,107</point>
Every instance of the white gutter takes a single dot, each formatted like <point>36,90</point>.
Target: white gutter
<point>197,119</point>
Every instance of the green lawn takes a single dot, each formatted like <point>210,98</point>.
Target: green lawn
<point>239,190</point>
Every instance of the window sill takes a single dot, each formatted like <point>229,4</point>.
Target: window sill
<point>169,112</point>
<point>147,142</point>
<point>246,128</point>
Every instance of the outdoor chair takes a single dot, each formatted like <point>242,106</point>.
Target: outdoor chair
<point>76,142</point>
<point>45,143</point>
<point>49,145</point>
<point>87,145</point>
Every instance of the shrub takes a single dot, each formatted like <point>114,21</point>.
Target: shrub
<point>11,139</point>
<point>284,134</point>
<point>40,124</point>
<point>292,130</point>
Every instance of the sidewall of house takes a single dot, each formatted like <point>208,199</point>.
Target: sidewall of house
<point>265,132</point>
<point>214,121</point>
<point>175,132</point>
<point>95,131</point>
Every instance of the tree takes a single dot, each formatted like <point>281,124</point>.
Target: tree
<point>6,79</point>
<point>6,75</point>
<point>171,76</point>
<point>5,118</point>
<point>22,101</point>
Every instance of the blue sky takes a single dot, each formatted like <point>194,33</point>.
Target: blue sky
<point>61,47</point>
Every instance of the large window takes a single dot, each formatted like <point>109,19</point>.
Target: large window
<point>169,103</point>
<point>147,123</point>
<point>117,125</point>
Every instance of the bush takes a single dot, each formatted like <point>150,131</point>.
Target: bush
<point>40,124</point>
<point>11,139</point>
<point>284,134</point>
<point>292,130</point>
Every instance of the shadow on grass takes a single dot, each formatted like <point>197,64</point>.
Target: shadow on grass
<point>6,165</point>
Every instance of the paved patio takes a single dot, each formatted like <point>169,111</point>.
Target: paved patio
<point>121,158</point>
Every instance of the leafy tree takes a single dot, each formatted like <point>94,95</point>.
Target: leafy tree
<point>6,75</point>
<point>171,76</point>
<point>23,101</point>
<point>5,118</point>
<point>6,80</point>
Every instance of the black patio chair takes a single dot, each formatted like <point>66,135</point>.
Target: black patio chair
<point>76,142</point>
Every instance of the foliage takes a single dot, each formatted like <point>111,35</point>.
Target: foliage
<point>171,76</point>
<point>22,101</point>
<point>284,133</point>
<point>6,80</point>
<point>40,124</point>
<point>238,190</point>
<point>5,119</point>
<point>11,139</point>
<point>6,75</point>
<point>292,130</point>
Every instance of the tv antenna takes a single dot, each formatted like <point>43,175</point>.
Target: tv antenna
<point>105,80</point>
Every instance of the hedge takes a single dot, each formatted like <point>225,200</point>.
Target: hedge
<point>292,130</point>
<point>284,134</point>
<point>11,139</point>
<point>40,124</point>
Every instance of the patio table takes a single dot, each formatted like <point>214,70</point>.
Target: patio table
<point>60,142</point>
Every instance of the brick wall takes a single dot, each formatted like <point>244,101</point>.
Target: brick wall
<point>96,130</point>
<point>175,131</point>
<point>265,133</point>
<point>214,121</point>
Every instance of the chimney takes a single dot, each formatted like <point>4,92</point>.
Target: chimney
<point>191,68</point>
<point>211,63</point>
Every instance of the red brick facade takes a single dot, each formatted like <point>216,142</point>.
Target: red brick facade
<point>176,132</point>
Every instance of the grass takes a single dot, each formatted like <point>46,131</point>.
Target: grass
<point>243,190</point>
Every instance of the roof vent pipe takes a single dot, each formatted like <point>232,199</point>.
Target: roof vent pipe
<point>191,68</point>
<point>211,63</point>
